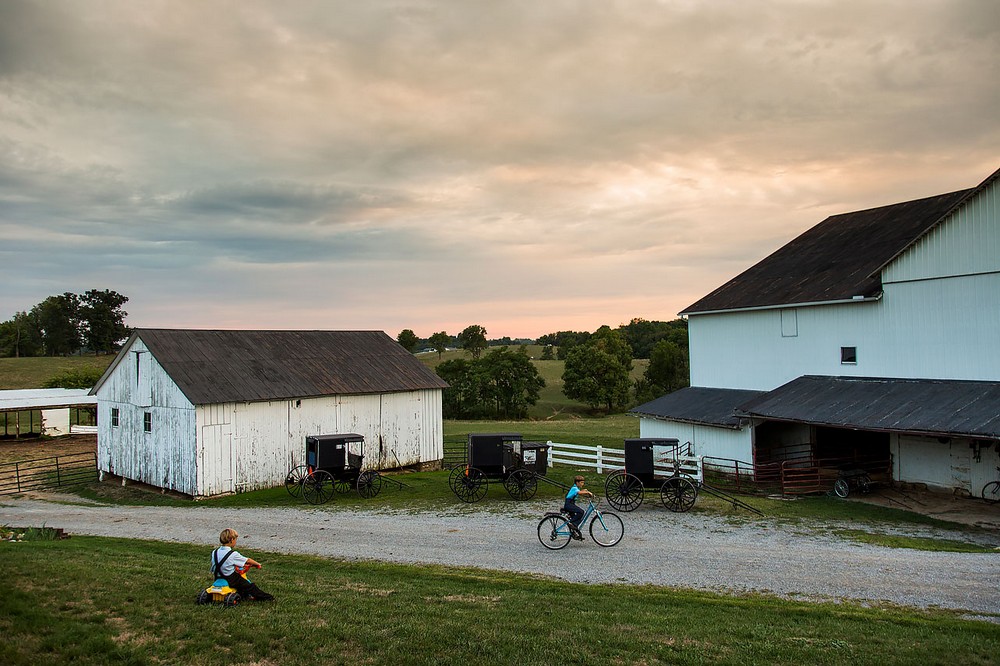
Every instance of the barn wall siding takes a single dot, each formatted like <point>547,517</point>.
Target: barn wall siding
<point>164,457</point>
<point>705,440</point>
<point>246,446</point>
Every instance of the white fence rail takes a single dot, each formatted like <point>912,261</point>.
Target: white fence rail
<point>607,459</point>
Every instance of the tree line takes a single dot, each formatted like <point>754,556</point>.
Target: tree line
<point>503,383</point>
<point>67,324</point>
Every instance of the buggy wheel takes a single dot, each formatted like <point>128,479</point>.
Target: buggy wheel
<point>317,488</point>
<point>865,483</point>
<point>293,481</point>
<point>369,484</point>
<point>991,491</point>
<point>678,494</point>
<point>624,491</point>
<point>521,484</point>
<point>554,531</point>
<point>456,472</point>
<point>841,488</point>
<point>203,597</point>
<point>471,485</point>
<point>606,529</point>
<point>341,485</point>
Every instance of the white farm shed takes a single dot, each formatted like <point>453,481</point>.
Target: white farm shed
<point>207,412</point>
<point>874,334</point>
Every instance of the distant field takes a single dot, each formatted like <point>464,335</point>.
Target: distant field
<point>552,404</point>
<point>25,373</point>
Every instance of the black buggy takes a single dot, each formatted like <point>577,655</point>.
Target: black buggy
<point>502,457</point>
<point>666,467</point>
<point>653,464</point>
<point>333,464</point>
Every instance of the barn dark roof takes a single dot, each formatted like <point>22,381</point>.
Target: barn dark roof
<point>697,404</point>
<point>838,259</point>
<point>249,366</point>
<point>934,407</point>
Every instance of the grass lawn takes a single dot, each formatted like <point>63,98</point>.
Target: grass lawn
<point>57,606</point>
<point>33,372</point>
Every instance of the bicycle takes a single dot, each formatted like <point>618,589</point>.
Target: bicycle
<point>555,529</point>
<point>991,491</point>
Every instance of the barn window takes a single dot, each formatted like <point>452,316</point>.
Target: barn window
<point>147,422</point>
<point>848,355</point>
<point>114,417</point>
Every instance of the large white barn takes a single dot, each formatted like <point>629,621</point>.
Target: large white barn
<point>207,412</point>
<point>876,332</point>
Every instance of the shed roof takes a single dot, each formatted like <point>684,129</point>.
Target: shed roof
<point>700,405</point>
<point>215,366</point>
<point>25,399</point>
<point>839,259</point>
<point>934,407</point>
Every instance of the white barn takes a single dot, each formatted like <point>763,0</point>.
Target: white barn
<point>206,412</point>
<point>876,332</point>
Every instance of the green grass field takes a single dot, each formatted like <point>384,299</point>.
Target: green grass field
<point>25,373</point>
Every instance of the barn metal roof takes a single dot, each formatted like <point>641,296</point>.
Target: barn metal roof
<point>214,366</point>
<point>934,407</point>
<point>697,404</point>
<point>839,259</point>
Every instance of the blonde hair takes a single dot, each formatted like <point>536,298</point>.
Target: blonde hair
<point>227,535</point>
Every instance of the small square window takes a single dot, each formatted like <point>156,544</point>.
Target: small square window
<point>147,422</point>
<point>114,417</point>
<point>848,355</point>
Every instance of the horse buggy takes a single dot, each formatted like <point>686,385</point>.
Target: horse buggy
<point>503,458</point>
<point>654,465</point>
<point>667,468</point>
<point>334,464</point>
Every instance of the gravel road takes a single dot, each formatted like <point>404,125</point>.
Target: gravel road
<point>660,548</point>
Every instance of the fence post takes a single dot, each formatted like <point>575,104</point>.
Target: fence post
<point>600,459</point>
<point>17,476</point>
<point>551,452</point>
<point>58,474</point>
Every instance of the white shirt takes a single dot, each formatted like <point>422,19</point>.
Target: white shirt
<point>235,561</point>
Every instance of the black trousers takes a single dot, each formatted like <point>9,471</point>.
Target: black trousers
<point>575,512</point>
<point>246,589</point>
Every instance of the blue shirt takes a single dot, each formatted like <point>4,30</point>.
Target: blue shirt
<point>573,492</point>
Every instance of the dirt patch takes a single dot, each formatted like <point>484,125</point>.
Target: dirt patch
<point>16,450</point>
<point>941,505</point>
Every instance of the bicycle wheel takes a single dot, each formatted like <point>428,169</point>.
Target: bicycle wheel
<point>317,488</point>
<point>865,484</point>
<point>841,488</point>
<point>678,494</point>
<point>521,484</point>
<point>607,529</point>
<point>991,491</point>
<point>624,491</point>
<point>293,480</point>
<point>553,531</point>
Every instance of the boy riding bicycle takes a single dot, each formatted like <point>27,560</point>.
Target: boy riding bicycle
<point>575,512</point>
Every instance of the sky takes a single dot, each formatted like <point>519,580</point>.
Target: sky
<point>527,166</point>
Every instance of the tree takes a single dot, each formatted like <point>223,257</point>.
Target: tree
<point>78,378</point>
<point>597,372</point>
<point>473,340</point>
<point>440,342</point>
<point>408,339</point>
<point>547,354</point>
<point>463,397</point>
<point>20,336</point>
<point>103,320</point>
<point>512,382</point>
<point>58,318</point>
<point>667,371</point>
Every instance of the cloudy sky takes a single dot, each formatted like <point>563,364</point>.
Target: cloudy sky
<point>527,166</point>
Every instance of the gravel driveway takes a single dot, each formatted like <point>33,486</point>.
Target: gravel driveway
<point>660,548</point>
